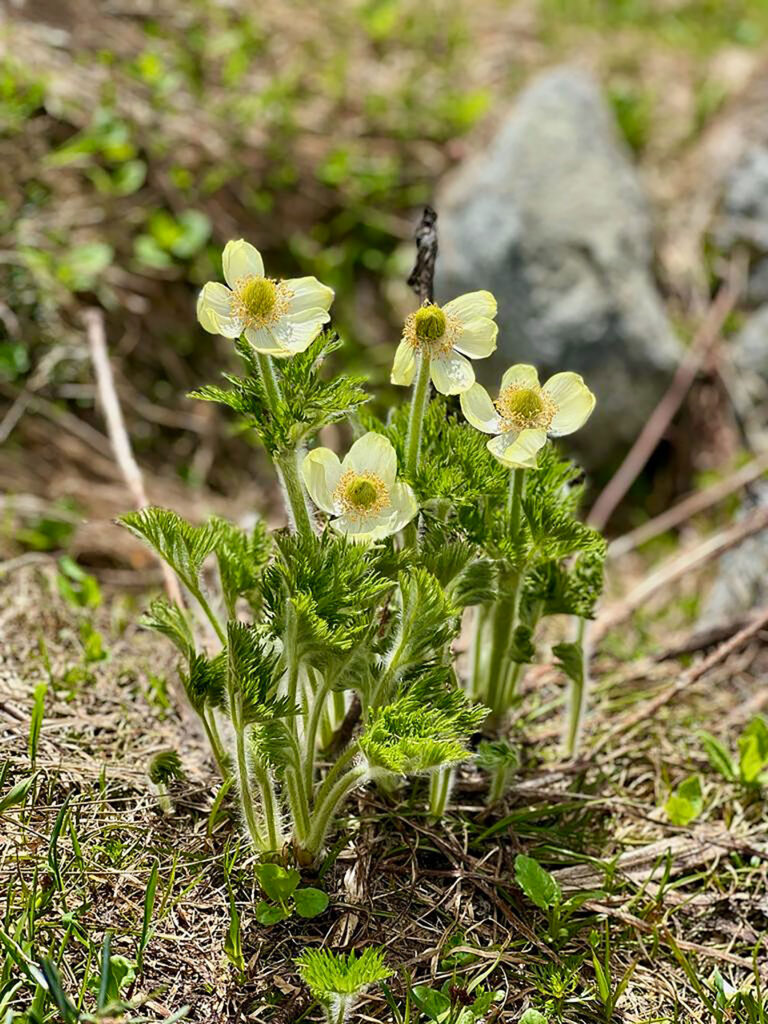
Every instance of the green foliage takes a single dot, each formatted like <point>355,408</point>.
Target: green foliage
<point>686,803</point>
<point>423,730</point>
<point>182,546</point>
<point>280,885</point>
<point>205,681</point>
<point>76,586</point>
<point>307,401</point>
<point>165,767</point>
<point>254,676</point>
<point>538,885</point>
<point>167,618</point>
<point>331,975</point>
<point>326,589</point>
<point>751,766</point>
<point>241,558</point>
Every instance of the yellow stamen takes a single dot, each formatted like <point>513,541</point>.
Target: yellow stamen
<point>430,328</point>
<point>259,301</point>
<point>361,495</point>
<point>524,408</point>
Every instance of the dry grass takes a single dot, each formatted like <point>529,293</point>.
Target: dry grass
<point>678,901</point>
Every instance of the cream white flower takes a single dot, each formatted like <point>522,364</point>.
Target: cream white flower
<point>362,492</point>
<point>464,325</point>
<point>525,413</point>
<point>279,318</point>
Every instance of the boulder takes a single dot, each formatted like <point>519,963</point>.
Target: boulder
<point>551,218</point>
<point>741,581</point>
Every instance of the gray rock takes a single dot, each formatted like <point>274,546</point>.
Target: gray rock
<point>741,583</point>
<point>744,214</point>
<point>552,219</point>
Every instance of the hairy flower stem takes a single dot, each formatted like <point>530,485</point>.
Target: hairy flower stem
<point>419,400</point>
<point>201,599</point>
<point>286,462</point>
<point>325,809</point>
<point>244,780</point>
<point>214,738</point>
<point>440,786</point>
<point>577,695</point>
<point>507,612</point>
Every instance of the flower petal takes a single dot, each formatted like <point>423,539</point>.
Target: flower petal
<point>404,366</point>
<point>241,259</point>
<point>214,306</point>
<point>297,331</point>
<point>308,293</point>
<point>521,374</point>
<point>477,338</point>
<point>373,453</point>
<point>404,505</point>
<point>451,374</point>
<point>479,410</point>
<point>471,306</point>
<point>518,451</point>
<point>321,470</point>
<point>364,530</point>
<point>263,340</point>
<point>574,402</point>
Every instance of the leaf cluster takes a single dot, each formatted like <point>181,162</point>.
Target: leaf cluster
<point>329,974</point>
<point>308,401</point>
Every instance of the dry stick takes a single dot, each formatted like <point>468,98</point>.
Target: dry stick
<point>653,431</point>
<point>688,678</point>
<point>118,435</point>
<point>675,568</point>
<point>689,507</point>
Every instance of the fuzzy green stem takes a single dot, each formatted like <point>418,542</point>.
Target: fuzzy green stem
<point>344,759</point>
<point>201,599</point>
<point>269,803</point>
<point>440,786</point>
<point>419,401</point>
<point>500,781</point>
<point>288,470</point>
<point>269,379</point>
<point>310,739</point>
<point>245,784</point>
<point>287,462</point>
<point>325,810</point>
<point>507,610</point>
<point>479,639</point>
<point>577,695</point>
<point>217,747</point>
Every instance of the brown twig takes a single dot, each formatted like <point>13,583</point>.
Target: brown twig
<point>118,435</point>
<point>422,278</point>
<point>677,567</point>
<point>691,506</point>
<point>654,429</point>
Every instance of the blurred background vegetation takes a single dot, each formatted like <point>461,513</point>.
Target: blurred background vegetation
<point>138,137</point>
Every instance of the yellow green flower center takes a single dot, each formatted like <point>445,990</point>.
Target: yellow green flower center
<point>361,494</point>
<point>429,323</point>
<point>429,328</point>
<point>259,301</point>
<point>259,296</point>
<point>523,408</point>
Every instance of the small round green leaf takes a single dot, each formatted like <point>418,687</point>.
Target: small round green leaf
<point>310,902</point>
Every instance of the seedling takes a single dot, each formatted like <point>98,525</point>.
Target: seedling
<point>749,769</point>
<point>337,981</point>
<point>686,803</point>
<point>281,887</point>
<point>542,888</point>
